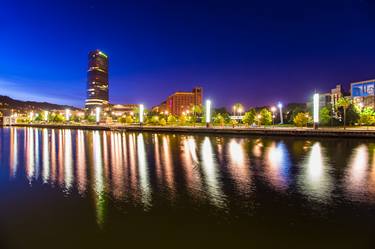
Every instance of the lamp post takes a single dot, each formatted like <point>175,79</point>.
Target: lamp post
<point>208,113</point>
<point>316,110</point>
<point>273,110</point>
<point>141,111</point>
<point>46,116</point>
<point>281,112</point>
<point>97,115</point>
<point>67,115</point>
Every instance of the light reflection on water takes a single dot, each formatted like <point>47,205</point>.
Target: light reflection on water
<point>142,168</point>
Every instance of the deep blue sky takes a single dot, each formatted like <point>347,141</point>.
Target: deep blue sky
<point>254,52</point>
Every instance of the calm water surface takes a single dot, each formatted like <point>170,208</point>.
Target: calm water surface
<point>96,189</point>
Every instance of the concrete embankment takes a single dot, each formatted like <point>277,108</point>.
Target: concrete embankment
<point>301,132</point>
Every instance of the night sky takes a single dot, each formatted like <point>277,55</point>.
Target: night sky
<point>254,52</point>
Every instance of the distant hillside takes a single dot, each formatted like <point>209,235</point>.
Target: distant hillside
<point>9,103</point>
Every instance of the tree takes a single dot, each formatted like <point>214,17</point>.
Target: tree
<point>154,120</point>
<point>129,119</point>
<point>219,119</point>
<point>182,120</point>
<point>249,117</point>
<point>302,119</point>
<point>122,119</point>
<point>162,122</point>
<point>324,116</point>
<point>266,117</point>
<point>344,102</point>
<point>197,111</point>
<point>367,116</point>
<point>171,120</point>
<point>292,109</point>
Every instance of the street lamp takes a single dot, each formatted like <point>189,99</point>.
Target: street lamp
<point>281,112</point>
<point>141,111</point>
<point>273,110</point>
<point>46,116</point>
<point>67,114</point>
<point>97,115</point>
<point>316,110</point>
<point>208,112</point>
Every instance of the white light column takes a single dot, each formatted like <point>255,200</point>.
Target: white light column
<point>141,113</point>
<point>281,113</point>
<point>45,116</point>
<point>208,112</point>
<point>97,114</point>
<point>316,110</point>
<point>67,115</point>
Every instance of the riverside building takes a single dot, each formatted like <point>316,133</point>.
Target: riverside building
<point>181,102</point>
<point>97,82</point>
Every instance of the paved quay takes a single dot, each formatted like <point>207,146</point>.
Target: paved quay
<point>258,131</point>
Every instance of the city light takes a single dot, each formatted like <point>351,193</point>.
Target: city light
<point>67,114</point>
<point>281,112</point>
<point>31,116</point>
<point>46,116</point>
<point>97,114</point>
<point>273,110</point>
<point>141,111</point>
<point>316,110</point>
<point>208,111</point>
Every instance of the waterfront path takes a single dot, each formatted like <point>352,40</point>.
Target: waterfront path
<point>258,131</point>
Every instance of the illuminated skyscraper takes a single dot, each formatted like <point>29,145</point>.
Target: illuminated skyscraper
<point>97,81</point>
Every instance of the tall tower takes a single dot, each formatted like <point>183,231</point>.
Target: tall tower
<point>97,81</point>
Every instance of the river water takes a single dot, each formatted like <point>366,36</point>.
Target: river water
<point>100,189</point>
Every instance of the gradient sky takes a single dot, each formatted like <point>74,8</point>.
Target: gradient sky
<point>254,52</point>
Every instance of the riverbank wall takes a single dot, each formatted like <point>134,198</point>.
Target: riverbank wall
<point>277,131</point>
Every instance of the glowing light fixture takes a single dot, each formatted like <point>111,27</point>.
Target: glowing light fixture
<point>46,116</point>
<point>141,111</point>
<point>281,112</point>
<point>97,114</point>
<point>316,110</point>
<point>67,114</point>
<point>208,111</point>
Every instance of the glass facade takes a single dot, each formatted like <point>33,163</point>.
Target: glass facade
<point>97,80</point>
<point>363,89</point>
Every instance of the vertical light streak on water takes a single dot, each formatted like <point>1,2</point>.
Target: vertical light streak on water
<point>372,175</point>
<point>36,151</point>
<point>239,166</point>
<point>277,165</point>
<point>133,169</point>
<point>105,155</point>
<point>53,155</point>
<point>357,173</point>
<point>13,152</point>
<point>98,178</point>
<point>190,162</point>
<point>257,148</point>
<point>60,156</point>
<point>143,172</point>
<point>45,153</point>
<point>81,162</point>
<point>30,160</point>
<point>68,160</point>
<point>168,163</point>
<point>159,173</point>
<point>315,181</point>
<point>210,171</point>
<point>117,165</point>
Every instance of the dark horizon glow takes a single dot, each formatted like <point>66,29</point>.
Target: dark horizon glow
<point>256,53</point>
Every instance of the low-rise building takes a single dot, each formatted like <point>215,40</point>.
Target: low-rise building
<point>362,92</point>
<point>181,102</point>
